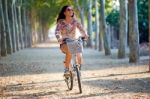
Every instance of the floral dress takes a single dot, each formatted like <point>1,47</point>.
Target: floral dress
<point>68,30</point>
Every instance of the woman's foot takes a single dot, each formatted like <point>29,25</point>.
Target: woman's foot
<point>66,72</point>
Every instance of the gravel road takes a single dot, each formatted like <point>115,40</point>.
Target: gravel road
<point>37,73</point>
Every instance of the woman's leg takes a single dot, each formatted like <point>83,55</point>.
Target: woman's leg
<point>68,56</point>
<point>68,60</point>
<point>79,58</point>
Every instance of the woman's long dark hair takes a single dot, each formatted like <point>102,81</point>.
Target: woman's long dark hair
<point>61,14</point>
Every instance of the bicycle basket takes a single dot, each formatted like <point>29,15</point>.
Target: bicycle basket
<point>75,47</point>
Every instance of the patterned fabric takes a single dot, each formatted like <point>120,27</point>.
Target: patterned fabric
<point>75,47</point>
<point>68,30</point>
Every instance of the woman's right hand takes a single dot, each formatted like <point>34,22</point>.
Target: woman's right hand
<point>60,41</point>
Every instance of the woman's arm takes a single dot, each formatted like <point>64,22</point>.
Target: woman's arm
<point>58,31</point>
<point>81,28</point>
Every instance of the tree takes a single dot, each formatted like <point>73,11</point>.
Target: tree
<point>100,43</point>
<point>21,40</point>
<point>0,33</point>
<point>81,9</point>
<point>7,27</point>
<point>16,19</point>
<point>24,23</point>
<point>149,30</point>
<point>96,24</point>
<point>13,26</point>
<point>89,43</point>
<point>123,29</point>
<point>3,31</point>
<point>133,32</point>
<point>103,27</point>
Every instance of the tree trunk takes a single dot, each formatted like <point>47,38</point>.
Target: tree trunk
<point>8,34</point>
<point>24,19</point>
<point>103,27</point>
<point>33,21</point>
<point>29,29</point>
<point>149,30</point>
<point>20,25</point>
<point>39,30</point>
<point>89,43</point>
<point>133,32</point>
<point>3,33</point>
<point>14,26</point>
<point>1,24</point>
<point>10,17</point>
<point>81,10</point>
<point>82,13</point>
<point>96,26</point>
<point>45,31</point>
<point>82,16</point>
<point>123,29</point>
<point>100,37</point>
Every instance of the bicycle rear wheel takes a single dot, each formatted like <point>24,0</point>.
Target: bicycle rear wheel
<point>79,79</point>
<point>69,81</point>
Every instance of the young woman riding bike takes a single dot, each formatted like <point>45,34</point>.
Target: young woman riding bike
<point>66,28</point>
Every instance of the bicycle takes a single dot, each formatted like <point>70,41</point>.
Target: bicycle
<point>75,46</point>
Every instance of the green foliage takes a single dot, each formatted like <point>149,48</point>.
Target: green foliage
<point>113,18</point>
<point>143,20</point>
<point>142,5</point>
<point>108,6</point>
<point>47,10</point>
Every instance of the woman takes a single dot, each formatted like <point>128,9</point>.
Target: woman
<point>66,28</point>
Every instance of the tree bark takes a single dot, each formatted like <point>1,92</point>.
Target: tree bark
<point>8,34</point>
<point>100,37</point>
<point>103,27</point>
<point>29,35</point>
<point>14,26</point>
<point>133,32</point>
<point>149,30</point>
<point>123,29</point>
<point>29,29</point>
<point>96,22</point>
<point>24,23</point>
<point>81,10</point>
<point>1,24</point>
<point>20,25</point>
<point>82,17</point>
<point>89,43</point>
<point>3,33</point>
<point>34,28</point>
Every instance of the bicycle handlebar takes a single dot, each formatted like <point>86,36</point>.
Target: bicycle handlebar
<point>69,39</point>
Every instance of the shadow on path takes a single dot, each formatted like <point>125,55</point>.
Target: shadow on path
<point>50,60</point>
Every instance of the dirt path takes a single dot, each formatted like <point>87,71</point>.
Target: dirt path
<point>37,73</point>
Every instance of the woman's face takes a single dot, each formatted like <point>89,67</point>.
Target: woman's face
<point>69,12</point>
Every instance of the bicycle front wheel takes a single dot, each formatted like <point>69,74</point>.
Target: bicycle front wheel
<point>79,79</point>
<point>69,81</point>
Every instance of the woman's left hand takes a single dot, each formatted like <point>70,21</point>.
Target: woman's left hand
<point>86,37</point>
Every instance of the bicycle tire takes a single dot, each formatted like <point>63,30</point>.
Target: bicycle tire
<point>69,81</point>
<point>79,79</point>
